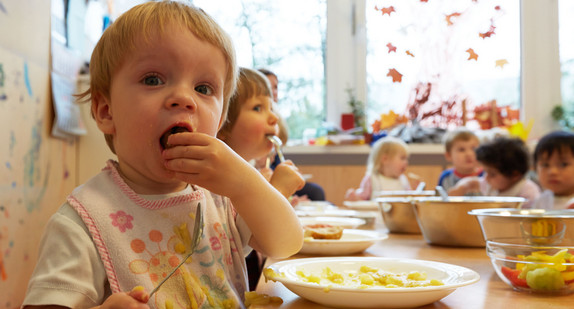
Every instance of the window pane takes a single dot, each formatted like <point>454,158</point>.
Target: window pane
<point>566,49</point>
<point>286,39</point>
<point>447,52</point>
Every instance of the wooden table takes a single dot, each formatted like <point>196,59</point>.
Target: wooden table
<point>488,292</point>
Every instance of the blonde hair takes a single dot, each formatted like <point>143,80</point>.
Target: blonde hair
<point>388,146</point>
<point>251,83</point>
<point>145,21</point>
<point>458,134</point>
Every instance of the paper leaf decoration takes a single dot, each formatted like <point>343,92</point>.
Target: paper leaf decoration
<point>388,10</point>
<point>397,77</point>
<point>449,17</point>
<point>391,48</point>
<point>501,63</point>
<point>472,54</point>
<point>408,52</point>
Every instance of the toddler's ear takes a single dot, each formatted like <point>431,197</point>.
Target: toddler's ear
<point>448,157</point>
<point>101,111</point>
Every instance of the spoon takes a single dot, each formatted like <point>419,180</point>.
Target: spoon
<point>197,233</point>
<point>421,186</point>
<point>442,193</point>
<point>276,141</point>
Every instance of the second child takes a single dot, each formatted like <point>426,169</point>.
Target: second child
<point>506,163</point>
<point>386,167</point>
<point>250,121</point>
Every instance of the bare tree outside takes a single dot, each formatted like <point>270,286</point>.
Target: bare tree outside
<point>288,38</point>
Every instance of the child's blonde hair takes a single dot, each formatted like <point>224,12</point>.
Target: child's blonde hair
<point>458,134</point>
<point>143,22</point>
<point>251,83</point>
<point>388,146</point>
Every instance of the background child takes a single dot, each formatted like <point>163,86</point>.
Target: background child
<point>554,161</point>
<point>460,145</point>
<point>249,122</point>
<point>310,191</point>
<point>386,167</point>
<point>505,162</point>
<point>161,78</point>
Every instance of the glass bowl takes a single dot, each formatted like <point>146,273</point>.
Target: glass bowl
<point>533,268</point>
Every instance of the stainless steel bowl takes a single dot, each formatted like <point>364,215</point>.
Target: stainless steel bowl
<point>405,193</point>
<point>398,214</point>
<point>447,222</point>
<point>537,226</point>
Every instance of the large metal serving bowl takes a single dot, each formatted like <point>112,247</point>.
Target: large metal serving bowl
<point>538,226</point>
<point>397,210</point>
<point>398,214</point>
<point>447,222</point>
<point>405,193</point>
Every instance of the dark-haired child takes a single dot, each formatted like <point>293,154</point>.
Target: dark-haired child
<point>554,161</point>
<point>506,163</point>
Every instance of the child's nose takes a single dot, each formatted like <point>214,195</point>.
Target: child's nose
<point>273,118</point>
<point>182,98</point>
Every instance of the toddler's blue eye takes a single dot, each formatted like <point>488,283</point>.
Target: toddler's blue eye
<point>257,108</point>
<point>152,80</point>
<point>204,89</point>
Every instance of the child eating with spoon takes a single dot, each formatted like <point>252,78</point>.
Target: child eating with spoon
<point>161,78</point>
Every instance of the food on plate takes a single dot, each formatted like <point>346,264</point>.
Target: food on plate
<point>368,277</point>
<point>323,231</point>
<point>545,272</point>
<point>259,299</point>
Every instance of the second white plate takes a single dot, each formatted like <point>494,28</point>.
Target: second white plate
<point>362,205</point>
<point>346,223</point>
<point>352,241</point>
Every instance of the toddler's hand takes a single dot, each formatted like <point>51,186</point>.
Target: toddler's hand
<point>208,162</point>
<point>287,179</point>
<point>351,195</point>
<point>467,185</point>
<point>135,299</point>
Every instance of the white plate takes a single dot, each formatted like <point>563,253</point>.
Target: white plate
<point>362,205</point>
<point>315,206</point>
<point>327,213</point>
<point>330,294</point>
<point>352,241</point>
<point>346,223</point>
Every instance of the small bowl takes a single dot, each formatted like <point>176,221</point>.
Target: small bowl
<point>539,226</point>
<point>399,215</point>
<point>531,268</point>
<point>447,222</point>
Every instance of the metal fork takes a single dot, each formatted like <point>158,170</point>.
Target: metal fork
<point>277,143</point>
<point>196,237</point>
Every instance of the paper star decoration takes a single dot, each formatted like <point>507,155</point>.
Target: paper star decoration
<point>397,77</point>
<point>500,63</point>
<point>472,54</point>
<point>408,52</point>
<point>391,48</point>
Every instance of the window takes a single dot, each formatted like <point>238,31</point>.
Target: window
<point>566,45</point>
<point>288,38</point>
<point>424,59</point>
<point>319,49</point>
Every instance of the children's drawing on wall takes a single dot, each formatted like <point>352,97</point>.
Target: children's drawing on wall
<point>26,171</point>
